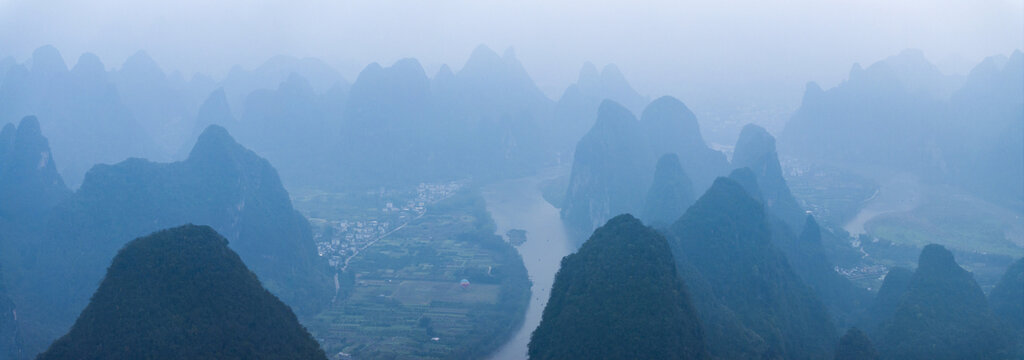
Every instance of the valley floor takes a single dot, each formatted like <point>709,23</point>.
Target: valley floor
<point>400,291</point>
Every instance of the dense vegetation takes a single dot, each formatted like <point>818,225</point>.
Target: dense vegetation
<point>619,297</point>
<point>182,293</point>
<point>807,256</point>
<point>855,345</point>
<point>942,315</point>
<point>887,299</point>
<point>724,239</point>
<point>1007,298</point>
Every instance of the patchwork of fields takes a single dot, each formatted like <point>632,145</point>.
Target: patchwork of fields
<point>404,297</point>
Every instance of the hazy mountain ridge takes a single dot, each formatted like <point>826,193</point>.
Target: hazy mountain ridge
<point>948,130</point>
<point>611,171</point>
<point>614,163</point>
<point>671,127</point>
<point>671,192</point>
<point>577,107</point>
<point>491,107</point>
<point>82,111</point>
<point>29,182</point>
<point>221,184</point>
<point>754,262</point>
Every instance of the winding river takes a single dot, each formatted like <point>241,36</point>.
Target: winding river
<point>518,204</point>
<point>902,192</point>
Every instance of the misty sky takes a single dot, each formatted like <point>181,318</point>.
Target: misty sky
<point>750,50</point>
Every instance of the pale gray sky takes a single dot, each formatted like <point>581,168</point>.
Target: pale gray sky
<point>715,48</point>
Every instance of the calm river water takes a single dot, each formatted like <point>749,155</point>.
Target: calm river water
<point>518,204</point>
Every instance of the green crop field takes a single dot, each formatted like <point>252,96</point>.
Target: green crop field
<point>957,222</point>
<point>405,299</point>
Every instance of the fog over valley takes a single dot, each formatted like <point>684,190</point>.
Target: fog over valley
<point>736,61</point>
<point>512,180</point>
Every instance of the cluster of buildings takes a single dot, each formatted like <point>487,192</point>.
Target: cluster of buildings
<point>428,193</point>
<point>863,271</point>
<point>339,239</point>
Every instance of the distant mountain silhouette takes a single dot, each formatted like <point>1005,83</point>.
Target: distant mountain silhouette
<point>396,126</point>
<point>619,297</point>
<point>494,105</point>
<point>276,120</point>
<point>240,82</point>
<point>182,293</point>
<point>492,85</point>
<point>161,105</point>
<point>901,94</point>
<point>671,192</point>
<point>577,108</point>
<point>81,110</point>
<point>609,84</point>
<point>389,109</point>
<point>29,182</point>
<point>942,315</point>
<point>726,238</point>
<point>672,128</point>
<point>902,114</point>
<point>983,148</point>
<point>611,170</point>
<point>214,111</point>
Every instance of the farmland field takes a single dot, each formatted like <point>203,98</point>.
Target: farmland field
<point>404,297</point>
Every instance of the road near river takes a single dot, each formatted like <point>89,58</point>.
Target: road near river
<point>518,204</point>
